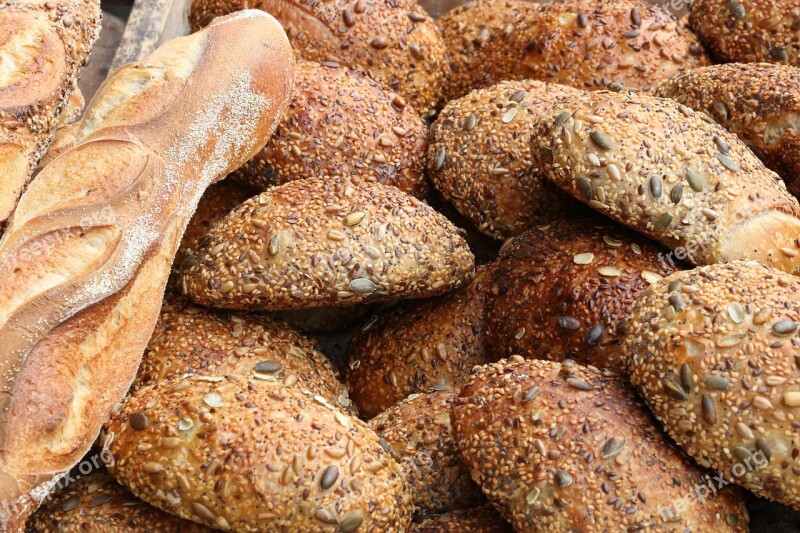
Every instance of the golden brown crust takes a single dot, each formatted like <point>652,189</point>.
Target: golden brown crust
<point>560,447</point>
<point>343,123</point>
<point>713,352</point>
<point>323,320</point>
<point>326,241</point>
<point>84,261</point>
<point>43,44</point>
<point>672,174</point>
<point>759,102</point>
<point>420,439</point>
<point>563,291</point>
<point>192,339</point>
<point>477,520</point>
<point>417,346</point>
<point>98,503</point>
<point>586,44</point>
<point>396,42</point>
<point>749,31</point>
<point>248,455</point>
<point>479,157</point>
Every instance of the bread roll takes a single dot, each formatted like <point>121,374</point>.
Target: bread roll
<point>420,439</point>
<point>84,262</point>
<point>43,45</point>
<point>477,520</point>
<point>760,103</point>
<point>749,31</point>
<point>587,44</point>
<point>240,454</point>
<point>191,339</point>
<point>418,346</point>
<point>396,42</point>
<point>479,157</point>
<point>560,447</point>
<point>323,320</point>
<point>341,122</point>
<point>73,109</point>
<point>98,503</point>
<point>326,241</point>
<point>672,174</point>
<point>713,351</point>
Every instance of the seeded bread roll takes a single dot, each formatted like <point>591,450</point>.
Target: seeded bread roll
<point>418,346</point>
<point>326,241</point>
<point>565,290</point>
<point>98,503</point>
<point>586,44</point>
<point>672,174</point>
<point>713,351</point>
<point>85,259</point>
<point>247,455</point>
<point>323,320</point>
<point>479,157</point>
<point>749,31</point>
<point>44,44</point>
<point>759,102</point>
<point>420,439</point>
<point>560,447</point>
<point>343,123</point>
<point>73,109</point>
<point>191,339</point>
<point>477,520</point>
<point>396,42</point>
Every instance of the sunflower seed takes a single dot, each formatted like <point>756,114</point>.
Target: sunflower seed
<point>329,477</point>
<point>212,399</point>
<point>727,162</point>
<point>600,140</point>
<point>267,367</point>
<point>274,245</point>
<point>720,110</point>
<point>676,301</point>
<point>686,377</point>
<point>709,411</point>
<point>612,447</point>
<point>363,286</point>
<point>509,115</point>
<point>530,394</point>
<point>561,118</point>
<point>651,277</point>
<point>354,218</point>
<point>579,384</point>
<point>351,522</point>
<point>763,446</point>
<point>439,158</point>
<point>185,424</point>
<point>100,499</point>
<point>656,188</point>
<point>583,259</point>
<point>744,431</point>
<point>379,43</point>
<point>568,323</point>
<point>673,389</point>
<point>722,145</point>
<point>585,187</point>
<point>792,398</point>
<point>736,312</point>
<point>784,327</point>
<point>593,335</point>
<point>677,193</point>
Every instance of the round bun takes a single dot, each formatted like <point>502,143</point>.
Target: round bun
<point>98,503</point>
<point>670,173</point>
<point>241,454</point>
<point>479,157</point>
<point>749,31</point>
<point>587,44</point>
<point>759,102</point>
<point>191,339</point>
<point>565,290</point>
<point>326,241</point>
<point>420,439</point>
<point>323,320</point>
<point>477,520</point>
<point>560,447</point>
<point>417,346</point>
<point>343,123</point>
<point>396,42</point>
<point>713,351</point>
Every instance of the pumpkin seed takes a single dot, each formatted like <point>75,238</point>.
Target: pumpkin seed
<point>762,445</point>
<point>779,53</point>
<point>563,479</point>
<point>593,335</point>
<point>694,180</point>
<point>736,312</point>
<point>329,477</point>
<point>677,193</point>
<point>708,409</point>
<point>736,9</point>
<point>363,286</point>
<point>722,145</point>
<point>568,323</point>
<point>267,367</point>
<point>509,115</point>
<point>656,187</point>
<point>727,162</point>
<point>439,158</point>
<point>686,377</point>
<point>663,222</point>
<point>600,140</point>
<point>717,382</point>
<point>673,389</point>
<point>562,118</point>
<point>585,187</point>
<point>469,123</point>
<point>612,447</point>
<point>784,327</point>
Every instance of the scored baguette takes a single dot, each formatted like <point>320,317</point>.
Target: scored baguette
<point>43,45</point>
<point>85,259</point>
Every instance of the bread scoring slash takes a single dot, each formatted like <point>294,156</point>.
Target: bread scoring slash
<point>84,262</point>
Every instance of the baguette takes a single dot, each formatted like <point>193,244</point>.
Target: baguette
<point>84,262</point>
<point>672,174</point>
<point>43,45</point>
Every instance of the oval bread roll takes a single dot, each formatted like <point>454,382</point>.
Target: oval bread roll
<point>713,351</point>
<point>559,447</point>
<point>418,346</point>
<point>98,503</point>
<point>396,42</point>
<point>192,339</point>
<point>479,157</point>
<point>326,241</point>
<point>341,122</point>
<point>565,290</point>
<point>477,520</point>
<point>672,174</point>
<point>420,439</point>
<point>759,102</point>
<point>586,44</point>
<point>749,31</point>
<point>246,455</point>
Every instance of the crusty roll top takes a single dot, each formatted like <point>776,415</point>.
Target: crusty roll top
<point>97,228</point>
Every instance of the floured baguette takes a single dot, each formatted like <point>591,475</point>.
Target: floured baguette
<point>86,256</point>
<point>43,45</point>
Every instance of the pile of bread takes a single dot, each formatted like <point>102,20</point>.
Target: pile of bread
<point>591,227</point>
